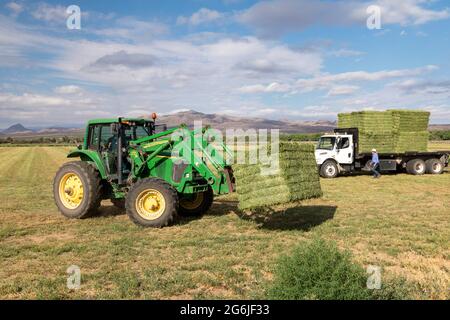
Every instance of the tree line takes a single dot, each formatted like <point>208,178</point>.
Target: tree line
<point>42,140</point>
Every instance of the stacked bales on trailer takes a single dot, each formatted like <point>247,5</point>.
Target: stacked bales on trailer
<point>389,131</point>
<point>411,130</point>
<point>375,129</point>
<point>297,178</point>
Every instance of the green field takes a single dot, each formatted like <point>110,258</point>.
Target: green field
<point>400,223</point>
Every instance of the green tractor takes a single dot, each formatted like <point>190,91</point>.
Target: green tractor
<point>155,176</point>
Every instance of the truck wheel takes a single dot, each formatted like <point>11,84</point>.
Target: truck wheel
<point>434,166</point>
<point>329,169</point>
<point>196,205</point>
<point>77,190</point>
<point>152,202</point>
<point>416,167</point>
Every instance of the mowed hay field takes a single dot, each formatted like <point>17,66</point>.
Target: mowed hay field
<point>400,223</point>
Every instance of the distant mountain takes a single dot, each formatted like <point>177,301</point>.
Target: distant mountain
<point>223,122</point>
<point>217,121</point>
<point>439,127</point>
<point>16,129</point>
<point>57,130</point>
<point>21,132</point>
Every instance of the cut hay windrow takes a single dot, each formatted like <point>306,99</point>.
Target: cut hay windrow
<point>296,179</point>
<point>389,131</point>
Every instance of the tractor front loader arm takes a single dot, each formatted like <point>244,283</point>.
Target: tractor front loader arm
<point>189,147</point>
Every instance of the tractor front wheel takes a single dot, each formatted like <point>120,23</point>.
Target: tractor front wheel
<point>152,202</point>
<point>77,190</point>
<point>196,204</point>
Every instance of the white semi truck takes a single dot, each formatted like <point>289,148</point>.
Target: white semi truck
<point>338,153</point>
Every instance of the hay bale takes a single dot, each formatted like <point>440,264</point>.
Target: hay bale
<point>410,120</point>
<point>412,141</point>
<point>297,178</point>
<point>389,131</point>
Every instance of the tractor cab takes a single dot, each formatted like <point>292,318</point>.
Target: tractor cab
<point>110,139</point>
<point>102,134</point>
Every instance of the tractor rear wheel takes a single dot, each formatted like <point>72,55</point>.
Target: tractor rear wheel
<point>197,204</point>
<point>77,190</point>
<point>152,202</point>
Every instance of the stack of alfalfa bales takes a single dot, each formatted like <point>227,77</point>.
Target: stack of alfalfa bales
<point>411,129</point>
<point>297,178</point>
<point>389,131</point>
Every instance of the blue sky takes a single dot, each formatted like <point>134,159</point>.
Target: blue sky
<point>280,59</point>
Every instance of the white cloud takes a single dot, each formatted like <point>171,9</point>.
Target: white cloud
<point>128,28</point>
<point>15,8</point>
<point>327,80</point>
<point>410,12</point>
<point>337,84</point>
<point>31,100</point>
<point>419,86</point>
<point>271,88</point>
<point>71,89</point>
<point>51,109</point>
<point>275,17</point>
<point>342,90</point>
<point>343,53</point>
<point>50,13</point>
<point>202,16</point>
<point>252,55</point>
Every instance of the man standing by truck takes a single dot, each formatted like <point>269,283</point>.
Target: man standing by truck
<point>375,164</point>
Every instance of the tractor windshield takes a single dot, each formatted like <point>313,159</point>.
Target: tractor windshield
<point>137,131</point>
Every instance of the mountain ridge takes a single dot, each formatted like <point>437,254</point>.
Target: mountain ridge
<point>215,120</point>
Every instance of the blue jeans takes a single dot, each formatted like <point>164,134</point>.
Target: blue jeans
<point>376,170</point>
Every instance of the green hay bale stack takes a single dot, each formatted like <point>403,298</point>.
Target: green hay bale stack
<point>410,121</point>
<point>389,131</point>
<point>297,178</point>
<point>412,141</point>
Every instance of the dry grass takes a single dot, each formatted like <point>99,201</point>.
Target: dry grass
<point>399,222</point>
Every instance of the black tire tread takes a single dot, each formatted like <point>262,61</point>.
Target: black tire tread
<point>202,208</point>
<point>159,184</point>
<point>429,166</point>
<point>322,169</point>
<point>94,188</point>
<point>410,166</point>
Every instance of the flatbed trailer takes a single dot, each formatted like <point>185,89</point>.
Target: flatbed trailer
<point>338,153</point>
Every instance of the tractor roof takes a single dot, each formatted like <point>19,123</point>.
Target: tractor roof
<point>116,120</point>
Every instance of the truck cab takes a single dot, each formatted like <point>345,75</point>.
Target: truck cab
<point>333,151</point>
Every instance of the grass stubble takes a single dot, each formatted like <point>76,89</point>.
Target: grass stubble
<point>400,223</point>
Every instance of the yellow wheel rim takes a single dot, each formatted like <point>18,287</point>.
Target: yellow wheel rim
<point>71,190</point>
<point>150,204</point>
<point>194,203</point>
